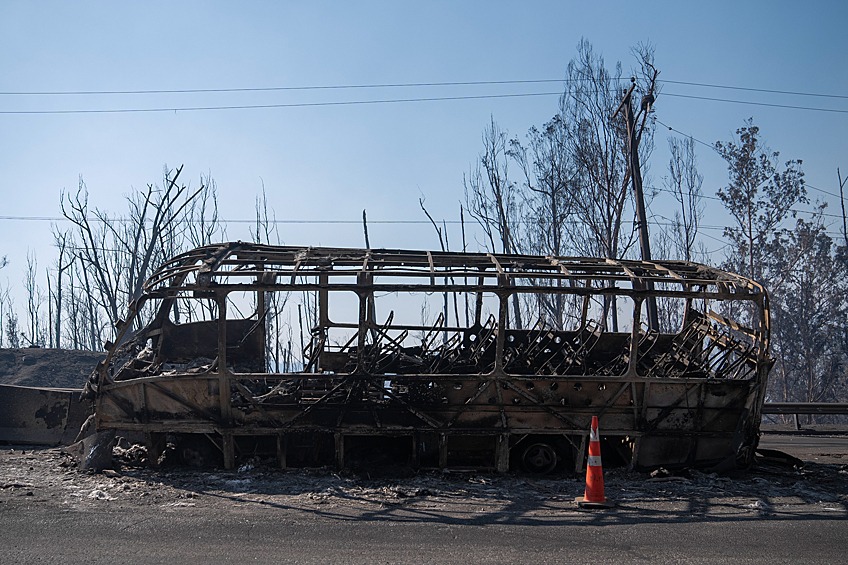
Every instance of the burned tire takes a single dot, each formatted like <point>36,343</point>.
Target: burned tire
<point>539,458</point>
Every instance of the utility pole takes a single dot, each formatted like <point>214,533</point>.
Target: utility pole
<point>636,177</point>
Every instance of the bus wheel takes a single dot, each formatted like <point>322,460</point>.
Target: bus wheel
<point>539,458</point>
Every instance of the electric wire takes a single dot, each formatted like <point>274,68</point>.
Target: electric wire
<point>398,85</point>
<point>751,103</point>
<point>797,211</point>
<point>278,88</point>
<point>409,100</point>
<point>285,105</point>
<point>389,100</point>
<point>320,222</point>
<point>749,89</point>
<point>713,148</point>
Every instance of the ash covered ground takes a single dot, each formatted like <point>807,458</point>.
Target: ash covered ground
<point>50,478</point>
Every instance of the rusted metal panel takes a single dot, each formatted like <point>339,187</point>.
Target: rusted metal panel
<point>41,416</point>
<point>420,345</point>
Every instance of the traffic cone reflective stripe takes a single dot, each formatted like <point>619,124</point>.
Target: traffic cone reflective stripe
<point>594,493</point>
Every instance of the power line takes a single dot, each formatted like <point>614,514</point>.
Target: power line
<point>797,211</point>
<point>387,101</point>
<point>253,221</point>
<point>279,88</point>
<point>725,245</point>
<point>695,139</point>
<point>229,221</point>
<point>713,148</point>
<point>395,85</point>
<point>334,222</point>
<point>290,105</point>
<point>381,101</point>
<point>749,103</point>
<point>808,185</point>
<point>749,89</point>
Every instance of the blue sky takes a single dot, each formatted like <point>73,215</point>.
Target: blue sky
<point>330,162</point>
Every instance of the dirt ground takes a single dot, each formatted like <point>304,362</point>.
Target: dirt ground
<point>57,368</point>
<point>50,477</point>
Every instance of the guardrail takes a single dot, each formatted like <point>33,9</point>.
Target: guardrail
<point>796,408</point>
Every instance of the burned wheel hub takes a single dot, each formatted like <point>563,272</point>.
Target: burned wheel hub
<point>539,458</point>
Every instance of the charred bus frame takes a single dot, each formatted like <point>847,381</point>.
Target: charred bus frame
<point>463,386</point>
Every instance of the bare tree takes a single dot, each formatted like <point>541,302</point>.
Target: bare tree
<point>35,299</point>
<point>490,195</point>
<point>492,198</point>
<point>549,183</point>
<point>154,231</point>
<point>92,251</point>
<point>442,234</point>
<point>278,339</point>
<point>598,144</point>
<point>684,182</point>
<point>265,221</point>
<point>6,312</point>
<point>203,225</point>
<point>574,196</point>
<point>548,191</point>
<point>63,263</point>
<point>117,254</point>
<point>13,336</point>
<point>75,308</point>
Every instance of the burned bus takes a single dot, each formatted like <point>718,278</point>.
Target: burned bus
<point>438,360</point>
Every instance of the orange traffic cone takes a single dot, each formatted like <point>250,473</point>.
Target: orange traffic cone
<point>594,497</point>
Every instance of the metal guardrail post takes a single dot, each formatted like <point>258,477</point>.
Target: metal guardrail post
<point>805,408</point>
<point>797,408</point>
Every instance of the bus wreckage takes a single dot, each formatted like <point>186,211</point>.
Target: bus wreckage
<point>437,360</point>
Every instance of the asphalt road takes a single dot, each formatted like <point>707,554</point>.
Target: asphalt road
<point>279,535</point>
<point>806,444</point>
<point>50,514</point>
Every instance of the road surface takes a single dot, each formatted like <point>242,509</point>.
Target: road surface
<point>51,513</point>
